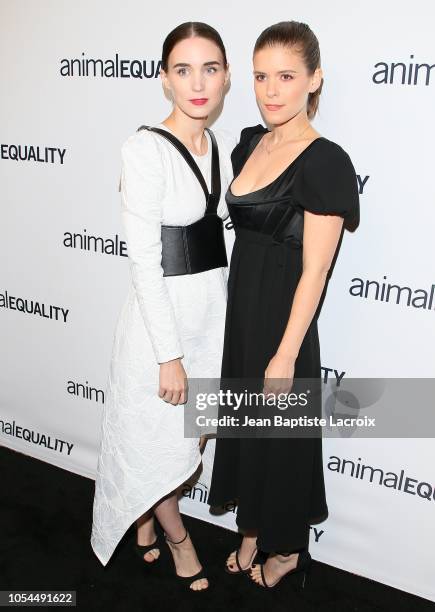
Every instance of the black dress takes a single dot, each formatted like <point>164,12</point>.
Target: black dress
<point>277,482</point>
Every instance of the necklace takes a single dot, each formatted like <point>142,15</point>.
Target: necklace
<point>269,150</point>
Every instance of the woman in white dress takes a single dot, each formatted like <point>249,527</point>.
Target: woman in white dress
<point>170,327</point>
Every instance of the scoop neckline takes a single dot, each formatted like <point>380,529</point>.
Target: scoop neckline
<point>243,195</point>
<point>165,127</point>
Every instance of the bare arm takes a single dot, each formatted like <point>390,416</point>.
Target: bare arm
<point>320,239</point>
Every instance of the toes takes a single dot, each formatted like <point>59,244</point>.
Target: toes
<point>152,555</point>
<point>231,561</point>
<point>199,585</point>
<point>255,575</point>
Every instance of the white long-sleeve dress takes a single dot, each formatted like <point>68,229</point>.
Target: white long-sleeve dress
<point>144,454</point>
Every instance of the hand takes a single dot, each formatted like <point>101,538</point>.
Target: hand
<point>278,377</point>
<point>173,382</point>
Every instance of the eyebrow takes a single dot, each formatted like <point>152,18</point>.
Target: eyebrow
<point>279,72</point>
<point>184,65</point>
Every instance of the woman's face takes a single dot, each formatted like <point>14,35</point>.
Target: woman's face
<point>196,76</point>
<point>282,83</point>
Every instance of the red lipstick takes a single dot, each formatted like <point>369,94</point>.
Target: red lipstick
<point>198,101</point>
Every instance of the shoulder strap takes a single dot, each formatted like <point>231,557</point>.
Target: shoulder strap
<point>215,195</point>
<point>212,198</point>
<point>249,138</point>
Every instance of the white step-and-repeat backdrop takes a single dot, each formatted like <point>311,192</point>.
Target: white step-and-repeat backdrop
<point>78,79</point>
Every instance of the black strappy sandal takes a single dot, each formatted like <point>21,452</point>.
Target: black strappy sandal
<point>188,580</point>
<point>241,570</point>
<point>141,550</point>
<point>303,565</point>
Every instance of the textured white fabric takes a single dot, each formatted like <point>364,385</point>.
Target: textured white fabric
<point>143,454</point>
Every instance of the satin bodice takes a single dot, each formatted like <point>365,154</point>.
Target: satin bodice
<point>320,179</point>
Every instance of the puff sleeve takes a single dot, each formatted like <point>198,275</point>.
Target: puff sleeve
<point>328,183</point>
<point>142,190</point>
<point>241,150</point>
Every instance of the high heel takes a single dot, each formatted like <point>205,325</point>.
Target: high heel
<point>188,580</point>
<point>303,566</point>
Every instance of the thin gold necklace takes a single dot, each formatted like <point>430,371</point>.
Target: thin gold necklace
<point>269,150</point>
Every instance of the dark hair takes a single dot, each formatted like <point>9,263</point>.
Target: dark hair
<point>298,35</point>
<point>191,29</point>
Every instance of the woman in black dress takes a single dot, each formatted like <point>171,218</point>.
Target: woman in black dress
<point>292,195</point>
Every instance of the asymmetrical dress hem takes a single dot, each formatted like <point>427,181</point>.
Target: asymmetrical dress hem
<point>124,525</point>
<point>143,452</point>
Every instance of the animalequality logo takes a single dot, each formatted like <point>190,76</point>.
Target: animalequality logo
<point>399,481</point>
<point>198,492</point>
<point>97,244</point>
<point>11,428</point>
<point>18,152</point>
<point>85,391</point>
<point>402,73</point>
<point>387,292</point>
<point>114,68</point>
<point>33,307</point>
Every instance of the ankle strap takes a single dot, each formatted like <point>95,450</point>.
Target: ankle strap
<point>168,540</point>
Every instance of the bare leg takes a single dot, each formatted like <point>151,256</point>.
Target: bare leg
<point>146,535</point>
<point>184,554</point>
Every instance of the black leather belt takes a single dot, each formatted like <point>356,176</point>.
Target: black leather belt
<point>200,246</point>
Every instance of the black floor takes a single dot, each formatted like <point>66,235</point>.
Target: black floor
<point>45,518</point>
